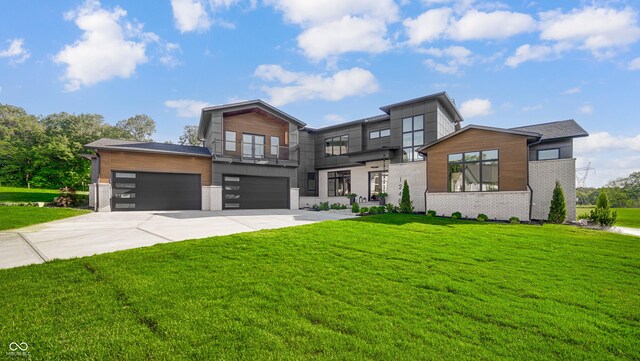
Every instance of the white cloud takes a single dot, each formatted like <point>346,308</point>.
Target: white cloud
<point>168,57</point>
<point>190,15</point>
<point>571,91</point>
<point>334,27</point>
<point>186,108</point>
<point>586,109</point>
<point>15,52</point>
<point>301,86</point>
<point>634,64</point>
<point>458,56</point>
<point>107,48</point>
<point>603,31</point>
<point>333,118</point>
<point>476,108</point>
<point>441,23</point>
<point>601,141</point>
<point>354,34</point>
<point>529,52</point>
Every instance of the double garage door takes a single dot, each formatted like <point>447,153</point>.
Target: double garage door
<point>248,192</point>
<point>144,191</point>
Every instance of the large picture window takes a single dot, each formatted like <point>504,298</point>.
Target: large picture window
<point>339,183</point>
<point>473,171</point>
<point>336,146</point>
<point>412,138</point>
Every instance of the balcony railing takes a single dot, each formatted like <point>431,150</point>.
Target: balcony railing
<point>255,152</point>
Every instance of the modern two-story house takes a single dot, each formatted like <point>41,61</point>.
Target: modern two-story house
<point>256,156</point>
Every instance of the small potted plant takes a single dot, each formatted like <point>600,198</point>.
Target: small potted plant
<point>352,198</point>
<point>382,198</point>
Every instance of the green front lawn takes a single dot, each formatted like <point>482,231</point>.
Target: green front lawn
<point>17,216</point>
<point>381,287</point>
<point>16,194</point>
<point>627,217</point>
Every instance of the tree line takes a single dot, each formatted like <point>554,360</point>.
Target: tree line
<point>46,151</point>
<point>622,192</point>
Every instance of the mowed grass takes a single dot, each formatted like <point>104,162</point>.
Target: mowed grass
<point>627,217</point>
<point>17,216</point>
<point>16,194</point>
<point>381,287</point>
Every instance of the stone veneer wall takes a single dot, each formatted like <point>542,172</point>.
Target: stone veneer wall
<point>211,198</point>
<point>415,173</point>
<point>496,205</point>
<point>542,179</point>
<point>294,198</point>
<point>104,197</point>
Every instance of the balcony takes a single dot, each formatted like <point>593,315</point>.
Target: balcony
<point>255,153</point>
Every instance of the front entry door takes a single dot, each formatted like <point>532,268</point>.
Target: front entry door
<point>252,146</point>
<point>377,184</point>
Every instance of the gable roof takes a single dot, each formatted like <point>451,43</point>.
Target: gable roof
<point>442,97</point>
<point>556,130</point>
<point>149,147</point>
<point>246,105</point>
<point>523,133</point>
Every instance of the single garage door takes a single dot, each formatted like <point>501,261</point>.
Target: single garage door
<point>247,192</point>
<point>144,191</point>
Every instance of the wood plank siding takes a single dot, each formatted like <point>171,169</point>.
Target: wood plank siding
<point>150,162</point>
<point>512,152</point>
<point>256,123</point>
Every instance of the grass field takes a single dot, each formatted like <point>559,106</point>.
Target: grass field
<point>380,287</point>
<point>627,217</point>
<point>16,217</point>
<point>15,194</point>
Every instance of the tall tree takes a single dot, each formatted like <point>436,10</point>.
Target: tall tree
<point>190,136</point>
<point>141,127</point>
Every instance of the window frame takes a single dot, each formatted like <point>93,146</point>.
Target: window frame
<point>410,157</point>
<point>337,177</point>
<point>332,142</point>
<point>311,179</point>
<point>272,147</point>
<point>379,133</point>
<point>480,162</point>
<point>546,150</point>
<point>228,142</point>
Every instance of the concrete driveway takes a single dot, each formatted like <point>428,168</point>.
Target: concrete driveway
<point>97,233</point>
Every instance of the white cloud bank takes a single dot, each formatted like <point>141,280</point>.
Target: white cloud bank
<point>613,156</point>
<point>186,108</point>
<point>295,86</point>
<point>190,15</point>
<point>15,52</point>
<point>476,108</point>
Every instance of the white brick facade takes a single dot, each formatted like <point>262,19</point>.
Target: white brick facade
<point>294,198</point>
<point>104,197</point>
<point>415,173</point>
<point>496,205</point>
<point>211,198</point>
<point>542,179</point>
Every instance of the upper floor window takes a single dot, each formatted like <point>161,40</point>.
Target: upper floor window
<point>336,145</point>
<point>275,145</point>
<point>230,141</point>
<point>375,134</point>
<point>412,138</point>
<point>546,154</point>
<point>473,171</point>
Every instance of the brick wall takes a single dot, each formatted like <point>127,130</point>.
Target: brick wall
<point>542,179</point>
<point>415,173</point>
<point>496,205</point>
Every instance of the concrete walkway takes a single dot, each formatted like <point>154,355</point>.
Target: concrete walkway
<point>626,230</point>
<point>97,233</point>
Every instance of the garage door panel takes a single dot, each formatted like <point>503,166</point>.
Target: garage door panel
<point>247,192</point>
<point>156,191</point>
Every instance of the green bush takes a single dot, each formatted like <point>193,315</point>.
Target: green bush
<point>67,197</point>
<point>456,215</point>
<point>391,208</point>
<point>406,205</point>
<point>514,220</point>
<point>364,210</point>
<point>482,217</point>
<point>381,209</point>
<point>324,206</point>
<point>355,208</point>
<point>431,213</point>
<point>373,210</point>
<point>602,213</point>
<point>558,209</point>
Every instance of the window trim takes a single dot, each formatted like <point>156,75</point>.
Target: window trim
<point>271,146</point>
<point>228,142</point>
<point>413,146</point>
<point>379,132</point>
<point>543,150</point>
<point>344,174</point>
<point>315,187</point>
<point>333,146</point>
<point>463,162</point>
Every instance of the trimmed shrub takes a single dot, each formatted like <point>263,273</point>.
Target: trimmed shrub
<point>602,215</point>
<point>364,210</point>
<point>324,206</point>
<point>355,208</point>
<point>482,217</point>
<point>514,220</point>
<point>431,213</point>
<point>391,208</point>
<point>406,205</point>
<point>381,209</point>
<point>558,209</point>
<point>67,198</point>
<point>456,215</point>
<point>373,210</point>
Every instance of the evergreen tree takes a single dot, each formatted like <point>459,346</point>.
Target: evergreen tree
<point>558,209</point>
<point>602,214</point>
<point>406,205</point>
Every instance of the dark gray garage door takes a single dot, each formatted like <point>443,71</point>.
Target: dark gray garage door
<point>246,192</point>
<point>143,191</point>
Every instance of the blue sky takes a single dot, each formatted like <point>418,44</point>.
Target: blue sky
<point>505,63</point>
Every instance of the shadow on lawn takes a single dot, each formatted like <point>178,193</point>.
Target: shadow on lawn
<point>26,197</point>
